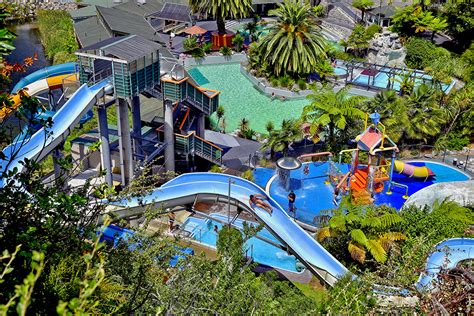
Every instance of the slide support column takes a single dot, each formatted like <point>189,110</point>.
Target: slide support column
<point>137,127</point>
<point>201,125</point>
<point>104,143</point>
<point>169,136</point>
<point>125,142</point>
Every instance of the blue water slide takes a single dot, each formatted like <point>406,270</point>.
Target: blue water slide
<point>56,70</point>
<point>45,140</point>
<point>211,186</point>
<point>446,255</point>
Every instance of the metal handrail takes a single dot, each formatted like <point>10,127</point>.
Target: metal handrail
<point>403,186</point>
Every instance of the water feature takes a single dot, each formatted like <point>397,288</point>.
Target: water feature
<point>27,43</point>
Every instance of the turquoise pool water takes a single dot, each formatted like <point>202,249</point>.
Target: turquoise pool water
<point>381,80</point>
<point>202,230</point>
<point>241,99</point>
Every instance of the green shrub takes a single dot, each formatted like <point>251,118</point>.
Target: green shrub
<point>248,175</point>
<point>198,52</point>
<point>456,142</point>
<point>215,169</point>
<point>302,84</point>
<point>284,81</point>
<point>291,83</point>
<point>371,30</point>
<point>421,52</point>
<point>207,47</point>
<point>274,81</point>
<point>57,34</point>
<point>238,41</point>
<point>189,44</point>
<point>226,51</point>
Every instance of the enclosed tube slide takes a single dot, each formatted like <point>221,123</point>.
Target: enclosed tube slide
<point>45,79</point>
<point>45,140</point>
<point>413,171</point>
<point>186,188</point>
<point>446,255</point>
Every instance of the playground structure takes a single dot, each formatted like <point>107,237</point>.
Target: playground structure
<point>366,179</point>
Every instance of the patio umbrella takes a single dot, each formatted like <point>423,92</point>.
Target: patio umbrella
<point>195,30</point>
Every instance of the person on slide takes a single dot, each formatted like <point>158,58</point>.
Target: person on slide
<point>258,200</point>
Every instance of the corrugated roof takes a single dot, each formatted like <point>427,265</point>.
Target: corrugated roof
<point>90,31</point>
<point>174,12</point>
<point>131,48</point>
<point>149,7</point>
<point>123,22</point>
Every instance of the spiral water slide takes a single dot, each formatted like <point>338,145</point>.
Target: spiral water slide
<point>46,79</point>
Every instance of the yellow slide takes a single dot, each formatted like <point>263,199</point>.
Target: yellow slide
<point>413,171</point>
<point>50,83</point>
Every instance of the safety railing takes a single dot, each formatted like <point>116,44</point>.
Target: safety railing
<point>193,144</point>
<point>203,99</point>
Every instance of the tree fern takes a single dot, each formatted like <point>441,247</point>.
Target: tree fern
<point>359,236</point>
<point>376,250</point>
<point>338,222</point>
<point>388,220</point>
<point>323,233</point>
<point>357,252</point>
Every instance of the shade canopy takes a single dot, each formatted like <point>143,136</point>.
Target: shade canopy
<point>195,30</point>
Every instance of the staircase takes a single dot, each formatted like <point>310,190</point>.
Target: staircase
<point>359,193</point>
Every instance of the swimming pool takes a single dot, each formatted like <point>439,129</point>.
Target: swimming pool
<point>202,230</point>
<point>381,80</point>
<point>313,195</point>
<point>241,99</point>
<point>443,173</point>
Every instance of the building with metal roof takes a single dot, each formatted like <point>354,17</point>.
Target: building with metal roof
<point>90,31</point>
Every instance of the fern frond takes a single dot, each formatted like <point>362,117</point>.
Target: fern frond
<point>323,233</point>
<point>359,236</point>
<point>371,222</point>
<point>338,222</point>
<point>376,250</point>
<point>352,217</point>
<point>357,252</point>
<point>388,220</point>
<point>393,236</point>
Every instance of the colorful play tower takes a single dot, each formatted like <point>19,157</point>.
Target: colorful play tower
<point>372,164</point>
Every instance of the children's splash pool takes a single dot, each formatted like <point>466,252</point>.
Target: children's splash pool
<point>314,194</point>
<point>202,230</point>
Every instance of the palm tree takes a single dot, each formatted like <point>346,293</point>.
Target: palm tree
<point>280,140</point>
<point>294,44</point>
<point>269,127</point>
<point>222,9</point>
<point>392,110</point>
<point>425,117</point>
<point>362,5</point>
<point>332,110</point>
<point>220,114</point>
<point>363,231</point>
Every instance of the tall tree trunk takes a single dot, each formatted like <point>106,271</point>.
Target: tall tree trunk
<point>220,23</point>
<point>362,17</point>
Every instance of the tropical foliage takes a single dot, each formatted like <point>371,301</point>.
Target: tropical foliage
<point>332,111</point>
<point>57,35</point>
<point>362,5</point>
<point>280,140</point>
<point>222,9</point>
<point>363,232</point>
<point>358,42</point>
<point>414,20</point>
<point>294,44</point>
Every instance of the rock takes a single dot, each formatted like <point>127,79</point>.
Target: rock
<point>385,48</point>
